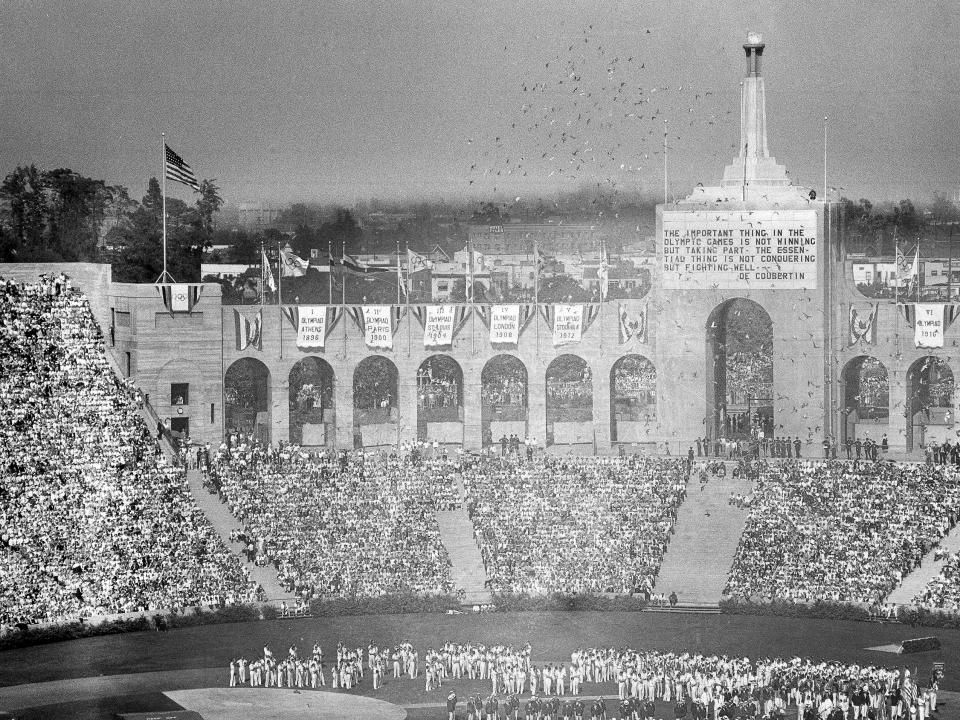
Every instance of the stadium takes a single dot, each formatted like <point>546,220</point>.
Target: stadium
<point>731,494</point>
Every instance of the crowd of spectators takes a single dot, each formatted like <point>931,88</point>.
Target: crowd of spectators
<point>569,393</point>
<point>573,525</point>
<point>508,386</point>
<point>340,524</point>
<point>92,519</point>
<point>840,531</point>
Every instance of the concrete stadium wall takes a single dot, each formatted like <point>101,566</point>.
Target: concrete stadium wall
<point>811,350</point>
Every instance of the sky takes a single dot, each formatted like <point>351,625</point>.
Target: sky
<point>326,101</point>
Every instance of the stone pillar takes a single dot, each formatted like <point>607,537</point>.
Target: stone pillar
<point>343,404</point>
<point>472,411</point>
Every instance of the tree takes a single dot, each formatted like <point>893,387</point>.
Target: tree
<point>23,191</point>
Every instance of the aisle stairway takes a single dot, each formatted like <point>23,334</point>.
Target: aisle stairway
<point>224,523</point>
<point>705,539</point>
<point>929,569</point>
<point>456,533</point>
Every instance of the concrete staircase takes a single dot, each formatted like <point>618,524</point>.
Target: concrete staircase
<point>456,533</point>
<point>929,569</point>
<point>225,523</point>
<point>705,540</point>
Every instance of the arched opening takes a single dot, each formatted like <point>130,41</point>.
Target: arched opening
<point>866,399</point>
<point>376,397</point>
<point>503,399</point>
<point>569,389</point>
<point>440,400</point>
<point>633,399</point>
<point>313,421</point>
<point>739,371</point>
<point>246,397</point>
<point>929,406</point>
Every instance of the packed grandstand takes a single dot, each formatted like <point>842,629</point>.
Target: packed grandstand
<point>95,520</point>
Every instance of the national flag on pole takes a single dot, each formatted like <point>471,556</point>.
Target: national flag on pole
<point>417,262</point>
<point>357,266</point>
<point>268,272</point>
<point>603,272</point>
<point>292,265</point>
<point>177,169</point>
<point>906,270</point>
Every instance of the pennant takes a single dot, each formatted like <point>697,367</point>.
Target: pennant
<point>632,326</point>
<point>420,313</point>
<point>567,325</point>
<point>248,332</point>
<point>863,325</point>
<point>591,313</point>
<point>484,312</point>
<point>527,313</point>
<point>292,314</point>
<point>928,325</point>
<point>333,317</point>
<point>908,311</point>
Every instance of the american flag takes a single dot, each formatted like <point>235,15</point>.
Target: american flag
<point>178,170</point>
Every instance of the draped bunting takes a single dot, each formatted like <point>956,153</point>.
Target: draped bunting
<point>248,330</point>
<point>180,297</point>
<point>632,324</point>
<point>863,324</point>
<point>591,313</point>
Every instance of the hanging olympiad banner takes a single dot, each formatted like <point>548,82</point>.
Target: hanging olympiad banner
<point>378,326</point>
<point>567,324</point>
<point>312,326</point>
<point>438,325</point>
<point>505,324</point>
<point>928,326</point>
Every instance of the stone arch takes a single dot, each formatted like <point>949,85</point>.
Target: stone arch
<point>739,372</point>
<point>929,402</point>
<point>569,401</point>
<point>376,399</point>
<point>440,400</point>
<point>504,389</point>
<point>865,387</point>
<point>247,399</point>
<point>313,419</point>
<point>633,398</point>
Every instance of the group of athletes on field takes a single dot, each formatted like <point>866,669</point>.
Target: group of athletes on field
<point>696,686</point>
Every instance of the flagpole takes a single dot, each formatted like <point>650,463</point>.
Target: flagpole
<point>280,294</point>
<point>165,276</point>
<point>343,272</point>
<point>263,281</point>
<point>331,267</point>
<point>399,301</point>
<point>409,287</point>
<point>824,157</point>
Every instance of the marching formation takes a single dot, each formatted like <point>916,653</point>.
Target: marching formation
<point>644,682</point>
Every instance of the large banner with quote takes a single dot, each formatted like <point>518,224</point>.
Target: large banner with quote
<point>738,249</point>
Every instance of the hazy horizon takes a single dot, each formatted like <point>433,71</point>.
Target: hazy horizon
<point>352,101</point>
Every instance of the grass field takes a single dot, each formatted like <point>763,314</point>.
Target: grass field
<point>208,649</point>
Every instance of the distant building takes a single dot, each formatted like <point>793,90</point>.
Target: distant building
<point>258,216</point>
